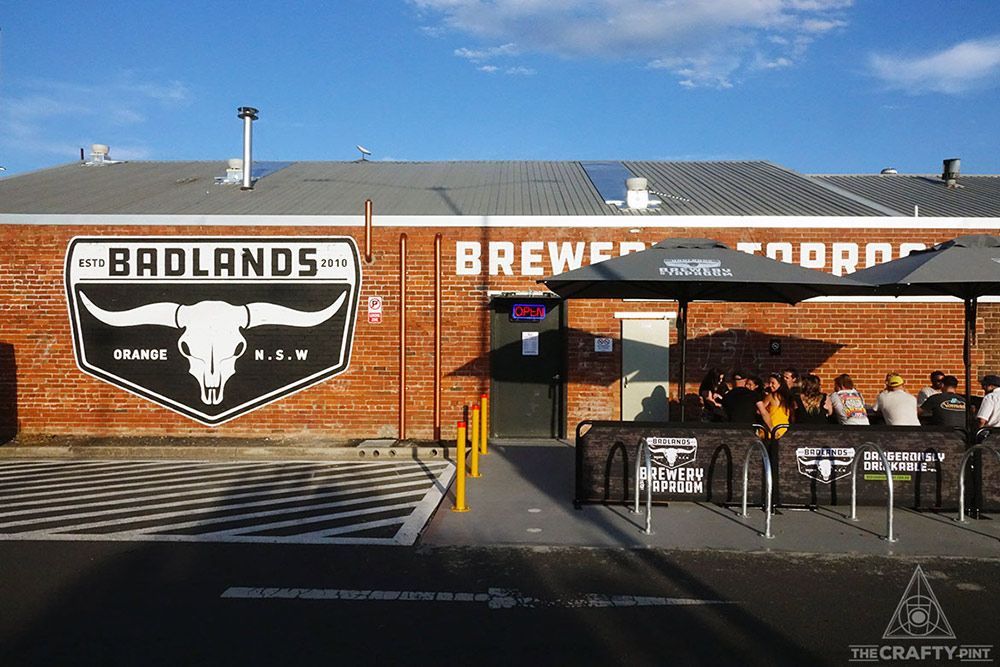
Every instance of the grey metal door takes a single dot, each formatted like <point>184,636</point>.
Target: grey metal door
<point>645,381</point>
<point>526,368</point>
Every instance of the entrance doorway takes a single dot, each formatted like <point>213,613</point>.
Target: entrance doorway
<point>645,383</point>
<point>527,361</point>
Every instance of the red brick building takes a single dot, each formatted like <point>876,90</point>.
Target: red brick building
<point>189,306</point>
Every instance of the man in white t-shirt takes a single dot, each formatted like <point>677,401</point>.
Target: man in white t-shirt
<point>989,412</point>
<point>896,406</point>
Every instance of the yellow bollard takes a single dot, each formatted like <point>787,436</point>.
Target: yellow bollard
<point>460,505</point>
<point>475,442</point>
<point>484,411</point>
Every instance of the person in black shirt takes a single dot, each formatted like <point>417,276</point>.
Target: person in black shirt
<point>946,408</point>
<point>810,402</point>
<point>740,403</point>
<point>711,391</point>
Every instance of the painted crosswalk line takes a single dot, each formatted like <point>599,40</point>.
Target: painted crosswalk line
<point>295,502</point>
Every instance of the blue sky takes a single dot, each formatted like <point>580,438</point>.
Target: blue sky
<point>820,86</point>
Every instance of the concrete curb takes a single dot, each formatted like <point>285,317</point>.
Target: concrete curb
<point>229,453</point>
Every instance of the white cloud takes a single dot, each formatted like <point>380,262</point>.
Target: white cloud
<point>970,65</point>
<point>519,71</point>
<point>703,43</point>
<point>46,118</point>
<point>484,54</point>
<point>489,69</point>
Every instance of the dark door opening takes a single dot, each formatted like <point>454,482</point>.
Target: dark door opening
<point>527,361</point>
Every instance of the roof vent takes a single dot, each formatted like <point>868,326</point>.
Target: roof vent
<point>888,171</point>
<point>99,155</point>
<point>234,172</point>
<point>952,168</point>
<point>637,193</point>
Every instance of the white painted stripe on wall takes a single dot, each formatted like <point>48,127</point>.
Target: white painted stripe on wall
<point>509,221</point>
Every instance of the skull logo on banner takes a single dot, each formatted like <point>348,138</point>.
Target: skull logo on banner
<point>213,328</point>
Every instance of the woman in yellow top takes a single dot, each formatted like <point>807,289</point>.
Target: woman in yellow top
<point>778,406</point>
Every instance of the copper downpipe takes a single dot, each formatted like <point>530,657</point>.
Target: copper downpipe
<point>437,337</point>
<point>368,231</point>
<point>402,336</point>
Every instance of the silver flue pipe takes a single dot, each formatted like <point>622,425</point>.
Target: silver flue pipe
<point>248,114</point>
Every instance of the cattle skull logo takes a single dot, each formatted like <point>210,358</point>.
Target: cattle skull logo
<point>213,327</point>
<point>824,464</point>
<point>212,338</point>
<point>672,452</point>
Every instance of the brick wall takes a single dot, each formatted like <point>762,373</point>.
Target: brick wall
<point>47,394</point>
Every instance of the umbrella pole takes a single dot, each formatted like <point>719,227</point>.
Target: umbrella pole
<point>970,322</point>
<point>682,340</point>
<point>970,420</point>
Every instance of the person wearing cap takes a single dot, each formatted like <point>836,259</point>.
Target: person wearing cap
<point>740,402</point>
<point>946,408</point>
<point>989,412</point>
<point>934,388</point>
<point>896,406</point>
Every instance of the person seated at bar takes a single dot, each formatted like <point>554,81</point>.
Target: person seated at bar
<point>846,403</point>
<point>713,388</point>
<point>791,377</point>
<point>946,408</point>
<point>809,402</point>
<point>895,404</point>
<point>934,388</point>
<point>740,402</point>
<point>989,411</point>
<point>778,406</point>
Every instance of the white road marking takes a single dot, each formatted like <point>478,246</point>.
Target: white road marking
<point>224,484</point>
<point>221,500</point>
<point>71,476</point>
<point>495,598</point>
<point>165,523</point>
<point>383,485</point>
<point>234,471</point>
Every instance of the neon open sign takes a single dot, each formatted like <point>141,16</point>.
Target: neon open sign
<point>527,312</point>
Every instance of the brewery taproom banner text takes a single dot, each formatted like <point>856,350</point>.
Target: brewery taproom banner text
<point>546,258</point>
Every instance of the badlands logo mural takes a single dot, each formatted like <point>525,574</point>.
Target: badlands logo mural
<point>212,328</point>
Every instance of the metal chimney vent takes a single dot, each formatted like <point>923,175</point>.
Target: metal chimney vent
<point>952,169</point>
<point>248,114</point>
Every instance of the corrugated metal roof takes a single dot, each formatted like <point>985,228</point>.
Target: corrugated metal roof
<point>978,196</point>
<point>742,188</point>
<point>443,188</point>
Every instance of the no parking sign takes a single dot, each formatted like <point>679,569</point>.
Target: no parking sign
<point>374,310</point>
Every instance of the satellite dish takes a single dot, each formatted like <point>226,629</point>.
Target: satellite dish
<point>364,152</point>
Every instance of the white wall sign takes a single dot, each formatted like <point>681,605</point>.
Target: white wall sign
<point>529,343</point>
<point>374,310</point>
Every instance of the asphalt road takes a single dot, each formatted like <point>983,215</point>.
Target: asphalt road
<point>126,603</point>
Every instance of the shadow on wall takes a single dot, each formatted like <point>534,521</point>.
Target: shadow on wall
<point>750,350</point>
<point>8,393</point>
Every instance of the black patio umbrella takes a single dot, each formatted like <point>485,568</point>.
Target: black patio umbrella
<point>966,267</point>
<point>687,270</point>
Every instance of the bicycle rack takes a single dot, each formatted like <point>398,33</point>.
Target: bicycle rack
<point>643,448</point>
<point>767,484</point>
<point>888,479</point>
<point>961,475</point>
